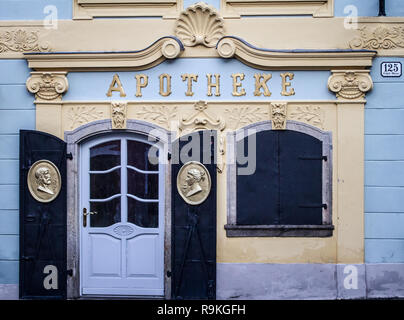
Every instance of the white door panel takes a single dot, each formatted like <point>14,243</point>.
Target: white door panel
<point>122,244</point>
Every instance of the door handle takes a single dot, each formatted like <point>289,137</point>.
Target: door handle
<point>85,214</point>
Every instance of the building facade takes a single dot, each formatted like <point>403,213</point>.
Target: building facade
<point>213,150</point>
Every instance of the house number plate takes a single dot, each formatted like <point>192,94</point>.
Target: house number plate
<point>391,69</point>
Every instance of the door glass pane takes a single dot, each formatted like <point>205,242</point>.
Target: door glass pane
<point>142,185</point>
<point>138,156</point>
<point>143,214</point>
<point>105,155</point>
<point>108,213</point>
<point>104,185</point>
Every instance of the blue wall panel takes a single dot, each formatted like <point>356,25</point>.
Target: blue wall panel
<point>17,111</point>
<point>384,147</point>
<point>9,271</point>
<point>9,247</point>
<point>377,97</point>
<point>9,146</point>
<point>15,97</point>
<point>384,173</point>
<point>384,121</point>
<point>9,172</point>
<point>13,71</point>
<point>33,9</point>
<point>384,199</point>
<point>384,250</point>
<point>384,225</point>
<point>9,197</point>
<point>9,222</point>
<point>384,166</point>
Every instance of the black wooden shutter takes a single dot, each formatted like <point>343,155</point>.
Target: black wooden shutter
<point>193,230</point>
<point>301,161</point>
<point>286,187</point>
<point>257,194</point>
<point>42,225</point>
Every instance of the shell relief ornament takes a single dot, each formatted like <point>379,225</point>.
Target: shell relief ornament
<point>199,24</point>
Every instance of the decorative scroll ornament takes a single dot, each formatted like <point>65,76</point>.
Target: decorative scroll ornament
<point>194,182</point>
<point>313,115</point>
<point>201,120</point>
<point>118,114</point>
<point>44,181</point>
<point>278,116</point>
<point>48,86</point>
<point>352,84</point>
<point>21,41</point>
<point>83,114</point>
<point>199,25</point>
<point>380,38</point>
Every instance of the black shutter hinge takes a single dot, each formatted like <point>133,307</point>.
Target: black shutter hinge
<point>26,258</point>
<point>382,8</point>
<point>69,156</point>
<point>323,205</point>
<point>169,274</point>
<point>324,158</point>
<point>169,156</point>
<point>69,272</point>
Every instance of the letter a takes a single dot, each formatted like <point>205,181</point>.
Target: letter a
<point>51,280</point>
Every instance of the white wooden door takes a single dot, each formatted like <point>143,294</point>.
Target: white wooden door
<point>122,235</point>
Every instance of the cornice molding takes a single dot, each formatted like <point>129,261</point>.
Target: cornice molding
<point>229,47</point>
<point>156,53</point>
<point>47,86</point>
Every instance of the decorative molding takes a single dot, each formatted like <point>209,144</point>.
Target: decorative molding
<point>162,115</point>
<point>118,114</point>
<point>312,115</point>
<point>162,49</point>
<point>241,116</point>
<point>381,37</point>
<point>21,41</point>
<point>238,8</point>
<point>278,115</point>
<point>83,114</point>
<point>89,9</point>
<point>266,59</point>
<point>123,230</point>
<point>201,120</point>
<point>48,86</point>
<point>350,84</point>
<point>199,24</point>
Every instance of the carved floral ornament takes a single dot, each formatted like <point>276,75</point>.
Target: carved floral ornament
<point>118,114</point>
<point>350,84</point>
<point>381,37</point>
<point>21,41</point>
<point>48,86</point>
<point>199,24</point>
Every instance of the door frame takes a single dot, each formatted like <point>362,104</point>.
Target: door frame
<point>74,139</point>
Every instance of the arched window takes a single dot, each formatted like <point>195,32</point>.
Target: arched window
<point>279,182</point>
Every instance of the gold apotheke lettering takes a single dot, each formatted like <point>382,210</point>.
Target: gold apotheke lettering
<point>262,84</point>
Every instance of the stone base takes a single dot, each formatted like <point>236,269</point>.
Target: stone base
<point>309,281</point>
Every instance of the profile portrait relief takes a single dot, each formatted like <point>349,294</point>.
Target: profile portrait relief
<point>193,182</point>
<point>194,176</point>
<point>44,181</point>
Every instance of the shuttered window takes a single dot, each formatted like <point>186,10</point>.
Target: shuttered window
<point>288,191</point>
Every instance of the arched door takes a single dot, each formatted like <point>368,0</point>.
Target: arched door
<point>122,216</point>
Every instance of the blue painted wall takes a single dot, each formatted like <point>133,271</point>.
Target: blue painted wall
<point>34,9</point>
<point>369,8</point>
<point>94,85</point>
<point>384,168</point>
<point>17,111</point>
